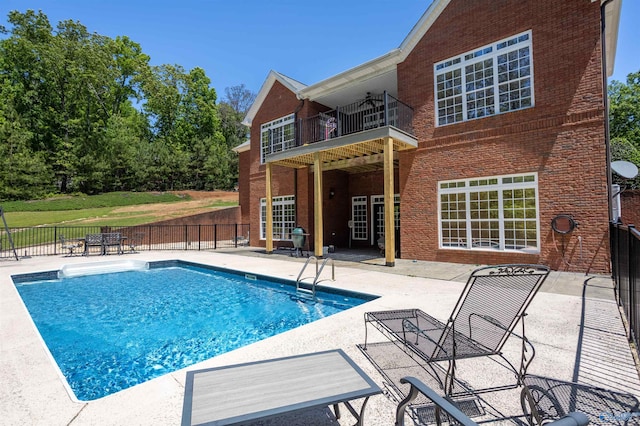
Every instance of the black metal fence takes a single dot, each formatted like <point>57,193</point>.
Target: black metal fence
<point>53,240</point>
<point>625,264</point>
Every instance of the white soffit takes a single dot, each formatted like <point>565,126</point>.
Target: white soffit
<point>611,26</point>
<point>244,146</point>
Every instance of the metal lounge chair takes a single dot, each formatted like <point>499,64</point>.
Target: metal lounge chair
<point>455,416</point>
<point>494,299</point>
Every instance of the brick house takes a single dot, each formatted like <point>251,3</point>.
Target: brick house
<point>481,139</point>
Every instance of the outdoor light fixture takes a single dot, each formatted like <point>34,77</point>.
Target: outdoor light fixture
<point>332,193</point>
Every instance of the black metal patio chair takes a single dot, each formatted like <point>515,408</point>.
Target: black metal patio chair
<point>444,410</point>
<point>544,399</point>
<point>492,303</point>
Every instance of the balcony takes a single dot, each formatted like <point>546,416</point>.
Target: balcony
<point>350,136</point>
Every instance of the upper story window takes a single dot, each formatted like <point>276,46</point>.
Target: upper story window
<point>277,135</point>
<point>493,79</point>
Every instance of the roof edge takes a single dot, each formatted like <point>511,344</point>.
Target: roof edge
<point>612,12</point>
<point>382,63</point>
<point>243,147</point>
<point>273,76</point>
<point>358,73</point>
<point>422,26</point>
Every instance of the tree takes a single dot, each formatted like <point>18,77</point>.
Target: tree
<point>85,112</point>
<point>239,98</point>
<point>624,122</point>
<point>23,173</point>
<point>232,112</point>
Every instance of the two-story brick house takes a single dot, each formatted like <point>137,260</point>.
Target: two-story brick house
<point>481,139</point>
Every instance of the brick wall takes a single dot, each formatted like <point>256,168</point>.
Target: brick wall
<point>186,229</point>
<point>227,215</point>
<point>561,138</point>
<point>630,203</point>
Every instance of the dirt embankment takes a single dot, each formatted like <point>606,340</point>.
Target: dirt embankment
<point>199,202</point>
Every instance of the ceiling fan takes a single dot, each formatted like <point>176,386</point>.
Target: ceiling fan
<point>370,100</point>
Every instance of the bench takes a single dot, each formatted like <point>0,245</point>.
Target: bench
<point>92,240</point>
<point>104,241</point>
<point>112,239</point>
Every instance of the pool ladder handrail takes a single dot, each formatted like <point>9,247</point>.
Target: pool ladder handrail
<point>312,290</point>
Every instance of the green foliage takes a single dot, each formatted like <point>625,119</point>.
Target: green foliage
<point>624,123</point>
<point>86,113</point>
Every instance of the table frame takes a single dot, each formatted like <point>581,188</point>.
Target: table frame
<point>275,389</point>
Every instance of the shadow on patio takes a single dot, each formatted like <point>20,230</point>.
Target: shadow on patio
<point>599,379</point>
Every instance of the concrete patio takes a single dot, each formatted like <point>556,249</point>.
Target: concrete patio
<point>573,322</point>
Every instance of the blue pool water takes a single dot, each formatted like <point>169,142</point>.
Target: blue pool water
<point>112,331</point>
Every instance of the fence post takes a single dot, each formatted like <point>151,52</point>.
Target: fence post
<point>613,243</point>
<point>186,237</point>
<point>55,240</point>
<point>215,236</point>
<point>633,307</point>
<point>235,236</point>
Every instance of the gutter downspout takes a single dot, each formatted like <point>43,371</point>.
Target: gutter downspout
<point>605,98</point>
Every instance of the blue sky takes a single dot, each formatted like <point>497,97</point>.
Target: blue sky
<point>239,41</point>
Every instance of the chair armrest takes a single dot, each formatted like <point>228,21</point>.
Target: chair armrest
<point>407,325</point>
<point>417,387</point>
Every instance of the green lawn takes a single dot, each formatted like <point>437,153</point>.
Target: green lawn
<point>84,210</point>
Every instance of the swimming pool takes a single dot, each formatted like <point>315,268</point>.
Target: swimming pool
<point>108,332</point>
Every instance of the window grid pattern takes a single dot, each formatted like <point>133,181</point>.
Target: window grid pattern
<point>520,217</point>
<point>277,135</point>
<point>514,78</point>
<point>379,199</point>
<point>359,218</point>
<point>484,219</point>
<point>449,87</point>
<point>284,217</point>
<point>495,213</point>
<point>494,79</point>
<point>480,90</point>
<point>453,214</point>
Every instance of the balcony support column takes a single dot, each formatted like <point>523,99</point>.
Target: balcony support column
<point>389,217</point>
<point>317,203</point>
<point>269,213</point>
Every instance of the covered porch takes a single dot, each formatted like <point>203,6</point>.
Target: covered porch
<point>350,140</point>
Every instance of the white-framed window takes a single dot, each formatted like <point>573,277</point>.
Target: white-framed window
<point>359,218</point>
<point>284,217</point>
<point>493,79</point>
<point>491,213</point>
<point>277,135</point>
